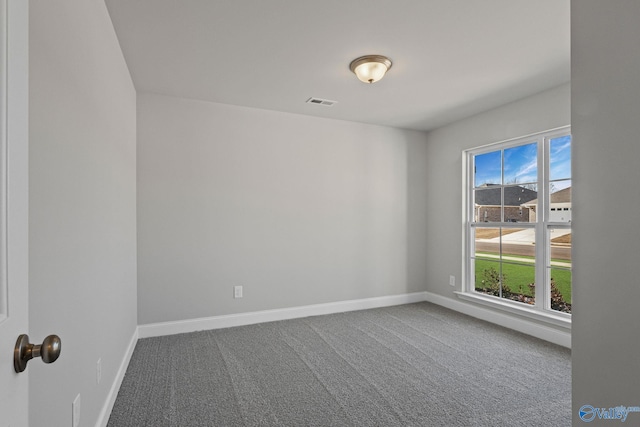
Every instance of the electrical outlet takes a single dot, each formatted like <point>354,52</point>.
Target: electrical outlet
<point>99,370</point>
<point>452,280</point>
<point>75,411</point>
<point>237,291</point>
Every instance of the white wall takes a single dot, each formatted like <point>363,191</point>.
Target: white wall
<point>298,210</point>
<point>605,105</point>
<point>547,110</point>
<point>82,220</point>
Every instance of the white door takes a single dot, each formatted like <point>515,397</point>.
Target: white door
<point>14,219</point>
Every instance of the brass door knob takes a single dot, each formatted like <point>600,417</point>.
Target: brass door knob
<point>24,351</point>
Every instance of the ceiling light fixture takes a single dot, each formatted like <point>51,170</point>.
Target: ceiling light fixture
<point>370,68</point>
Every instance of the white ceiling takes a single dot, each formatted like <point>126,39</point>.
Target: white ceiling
<point>451,58</point>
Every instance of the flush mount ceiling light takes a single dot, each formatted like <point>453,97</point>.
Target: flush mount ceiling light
<point>370,68</point>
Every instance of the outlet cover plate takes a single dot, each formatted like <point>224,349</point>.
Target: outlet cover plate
<point>237,291</point>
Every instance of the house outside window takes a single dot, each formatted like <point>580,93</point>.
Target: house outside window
<point>518,224</point>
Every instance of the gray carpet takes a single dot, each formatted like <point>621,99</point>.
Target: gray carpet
<point>409,365</point>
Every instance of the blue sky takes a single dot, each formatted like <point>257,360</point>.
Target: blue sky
<point>560,153</point>
<point>521,164</point>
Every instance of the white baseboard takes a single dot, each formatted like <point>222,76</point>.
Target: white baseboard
<point>240,319</point>
<point>525,326</point>
<point>103,418</point>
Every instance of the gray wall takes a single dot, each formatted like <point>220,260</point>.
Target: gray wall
<point>547,110</point>
<point>298,210</point>
<point>82,219</point>
<point>606,127</point>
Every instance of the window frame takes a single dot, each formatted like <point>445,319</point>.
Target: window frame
<point>541,310</point>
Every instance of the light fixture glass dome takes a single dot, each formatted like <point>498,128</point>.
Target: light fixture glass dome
<point>370,68</point>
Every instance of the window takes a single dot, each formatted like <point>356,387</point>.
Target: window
<point>518,224</point>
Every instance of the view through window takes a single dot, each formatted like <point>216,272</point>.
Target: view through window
<point>519,221</point>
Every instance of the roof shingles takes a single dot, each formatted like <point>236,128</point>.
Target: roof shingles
<point>513,196</point>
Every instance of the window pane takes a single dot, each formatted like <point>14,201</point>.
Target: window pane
<point>521,164</point>
<point>560,269</point>
<point>560,241</point>
<point>488,168</point>
<point>520,201</point>
<point>487,277</point>
<point>519,244</point>
<point>561,290</point>
<point>560,201</point>
<point>510,244</point>
<point>488,204</point>
<point>519,282</point>
<point>560,158</point>
<point>487,243</point>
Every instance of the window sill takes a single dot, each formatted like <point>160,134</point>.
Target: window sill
<point>562,320</point>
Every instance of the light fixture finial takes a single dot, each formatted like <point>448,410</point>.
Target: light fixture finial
<point>370,68</point>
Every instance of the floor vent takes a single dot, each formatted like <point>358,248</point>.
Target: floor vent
<point>320,101</point>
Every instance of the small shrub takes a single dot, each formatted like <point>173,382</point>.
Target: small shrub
<point>557,300</point>
<point>492,282</point>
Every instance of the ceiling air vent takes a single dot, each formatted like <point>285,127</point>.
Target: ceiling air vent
<point>320,101</point>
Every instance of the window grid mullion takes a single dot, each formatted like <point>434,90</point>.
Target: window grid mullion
<point>542,280</point>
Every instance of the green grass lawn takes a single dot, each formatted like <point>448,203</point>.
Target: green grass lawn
<point>563,282</point>
<point>518,277</point>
